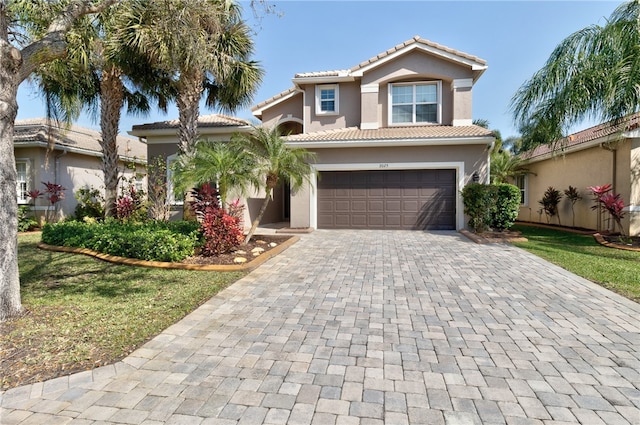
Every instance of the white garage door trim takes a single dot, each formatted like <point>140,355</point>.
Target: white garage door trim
<point>458,166</point>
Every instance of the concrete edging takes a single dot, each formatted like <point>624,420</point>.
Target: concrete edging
<point>259,260</point>
<point>598,237</point>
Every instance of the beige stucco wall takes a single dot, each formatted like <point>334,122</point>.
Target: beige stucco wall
<point>582,169</point>
<point>290,109</point>
<point>71,170</point>
<point>466,159</point>
<point>348,109</point>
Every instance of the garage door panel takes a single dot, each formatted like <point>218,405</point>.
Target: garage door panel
<point>389,199</point>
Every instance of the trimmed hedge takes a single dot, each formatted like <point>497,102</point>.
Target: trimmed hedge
<point>491,205</point>
<point>152,241</point>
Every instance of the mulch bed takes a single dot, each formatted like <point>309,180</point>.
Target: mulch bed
<point>617,241</point>
<point>258,241</point>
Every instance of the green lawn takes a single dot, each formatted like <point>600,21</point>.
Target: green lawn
<point>83,312</point>
<point>615,269</point>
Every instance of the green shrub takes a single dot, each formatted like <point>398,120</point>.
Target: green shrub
<point>90,203</point>
<point>153,241</point>
<point>25,221</point>
<point>507,204</point>
<point>492,206</point>
<point>479,204</point>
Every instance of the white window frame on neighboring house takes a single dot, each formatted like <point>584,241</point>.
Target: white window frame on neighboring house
<point>320,88</point>
<point>522,182</point>
<point>414,103</point>
<point>23,180</point>
<point>171,196</point>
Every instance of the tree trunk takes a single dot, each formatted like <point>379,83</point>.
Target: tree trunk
<point>15,67</point>
<point>256,221</point>
<point>189,94</point>
<point>10,62</point>
<point>111,101</point>
<point>272,182</point>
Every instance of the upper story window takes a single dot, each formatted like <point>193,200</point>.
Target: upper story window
<point>327,99</point>
<point>22,183</point>
<point>414,103</point>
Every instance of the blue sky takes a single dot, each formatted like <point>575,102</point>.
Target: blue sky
<point>514,37</point>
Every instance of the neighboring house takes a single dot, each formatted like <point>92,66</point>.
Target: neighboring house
<point>161,139</point>
<point>394,139</point>
<point>604,154</point>
<point>70,157</point>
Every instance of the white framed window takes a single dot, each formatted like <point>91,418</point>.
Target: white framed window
<point>173,197</point>
<point>22,182</point>
<point>522,183</point>
<point>415,103</point>
<point>327,99</point>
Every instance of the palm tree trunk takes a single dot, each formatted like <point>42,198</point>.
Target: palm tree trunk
<point>111,101</point>
<point>189,93</point>
<point>256,221</point>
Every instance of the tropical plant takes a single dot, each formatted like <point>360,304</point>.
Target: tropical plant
<point>595,72</point>
<point>549,203</point>
<point>505,166</point>
<point>97,75</point>
<point>229,165</point>
<point>572,196</point>
<point>26,221</point>
<point>90,203</point>
<point>614,205</point>
<point>276,163</point>
<point>597,193</point>
<point>201,46</point>
<point>222,232</point>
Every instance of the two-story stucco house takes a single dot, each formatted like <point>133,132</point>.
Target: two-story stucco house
<point>394,139</point>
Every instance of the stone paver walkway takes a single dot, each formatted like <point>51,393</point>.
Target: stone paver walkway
<point>371,327</point>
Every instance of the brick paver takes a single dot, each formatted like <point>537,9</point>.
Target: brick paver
<point>373,327</point>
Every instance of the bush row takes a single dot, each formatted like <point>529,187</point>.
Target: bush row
<point>152,240</point>
<point>492,206</point>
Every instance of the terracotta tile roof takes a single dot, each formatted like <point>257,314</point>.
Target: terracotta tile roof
<point>581,137</point>
<point>393,133</point>
<point>37,130</point>
<point>335,73</point>
<point>414,40</point>
<point>213,120</point>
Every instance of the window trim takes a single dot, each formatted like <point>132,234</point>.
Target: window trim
<point>438,103</point>
<point>171,200</point>
<point>27,181</point>
<point>336,99</point>
<point>524,190</point>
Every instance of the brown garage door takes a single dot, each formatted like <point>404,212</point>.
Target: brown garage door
<point>392,199</point>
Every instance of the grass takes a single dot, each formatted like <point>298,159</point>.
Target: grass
<point>82,312</point>
<point>615,269</point>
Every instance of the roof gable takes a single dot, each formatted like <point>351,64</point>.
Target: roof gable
<point>476,64</point>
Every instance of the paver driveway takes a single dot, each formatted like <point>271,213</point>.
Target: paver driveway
<point>372,327</point>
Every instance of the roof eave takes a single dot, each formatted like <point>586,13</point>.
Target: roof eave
<point>440,141</point>
<point>331,79</point>
<point>579,147</point>
<point>71,149</point>
<point>257,112</point>
<point>202,130</point>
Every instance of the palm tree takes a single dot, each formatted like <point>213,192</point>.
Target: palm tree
<point>202,46</point>
<point>97,75</point>
<point>595,72</point>
<point>227,164</point>
<point>505,166</point>
<point>276,163</point>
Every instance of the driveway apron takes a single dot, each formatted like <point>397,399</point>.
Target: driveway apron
<point>373,327</point>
